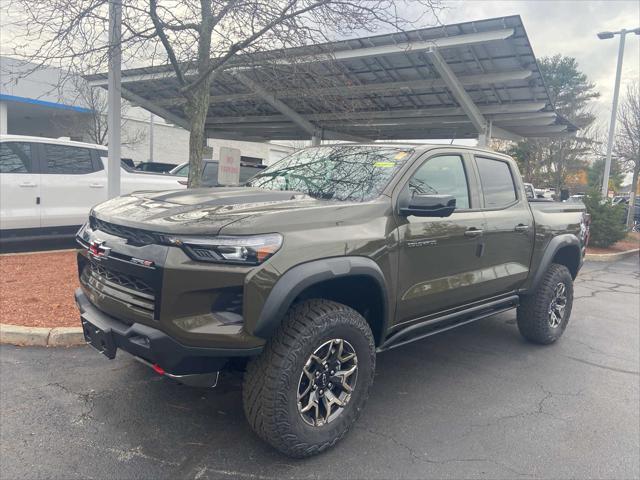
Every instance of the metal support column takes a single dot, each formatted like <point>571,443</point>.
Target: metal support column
<point>113,97</point>
<point>484,138</point>
<point>4,118</point>
<point>316,138</point>
<point>458,92</point>
<point>151,127</point>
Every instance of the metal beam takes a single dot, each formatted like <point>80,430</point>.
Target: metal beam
<point>279,105</point>
<point>458,91</point>
<point>526,122</point>
<point>435,121</point>
<point>407,134</point>
<point>291,114</point>
<point>563,134</point>
<point>506,108</point>
<point>539,131</point>
<point>222,135</point>
<point>346,137</point>
<point>259,131</point>
<point>507,117</point>
<point>499,132</point>
<point>154,108</point>
<point>366,89</point>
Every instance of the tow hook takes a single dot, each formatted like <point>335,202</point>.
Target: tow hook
<point>201,380</point>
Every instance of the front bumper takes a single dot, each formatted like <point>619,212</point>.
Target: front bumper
<point>150,344</point>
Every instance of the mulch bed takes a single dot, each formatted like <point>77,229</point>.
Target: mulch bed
<point>631,242</point>
<point>36,289</point>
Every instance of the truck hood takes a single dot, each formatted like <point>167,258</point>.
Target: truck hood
<point>207,211</point>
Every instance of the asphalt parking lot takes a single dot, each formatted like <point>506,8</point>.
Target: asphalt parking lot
<point>476,402</point>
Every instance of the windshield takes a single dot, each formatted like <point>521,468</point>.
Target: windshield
<point>338,172</point>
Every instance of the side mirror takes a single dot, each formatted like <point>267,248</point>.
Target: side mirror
<point>422,205</point>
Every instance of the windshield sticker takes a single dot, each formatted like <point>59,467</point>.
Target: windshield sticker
<point>384,164</point>
<point>400,155</point>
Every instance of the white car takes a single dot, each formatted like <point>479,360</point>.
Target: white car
<point>48,186</point>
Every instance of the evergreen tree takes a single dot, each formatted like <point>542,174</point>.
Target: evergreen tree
<point>547,162</point>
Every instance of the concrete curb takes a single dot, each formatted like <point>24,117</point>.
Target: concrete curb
<point>611,257</point>
<point>41,337</point>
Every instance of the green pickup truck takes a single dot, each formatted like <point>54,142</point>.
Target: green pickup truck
<point>321,261</point>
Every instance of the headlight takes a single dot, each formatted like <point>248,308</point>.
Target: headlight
<point>246,250</point>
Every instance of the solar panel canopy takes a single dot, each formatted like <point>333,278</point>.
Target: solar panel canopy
<point>466,80</point>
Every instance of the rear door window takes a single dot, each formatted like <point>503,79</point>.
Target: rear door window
<point>498,187</point>
<point>67,160</point>
<point>15,157</point>
<point>210,174</point>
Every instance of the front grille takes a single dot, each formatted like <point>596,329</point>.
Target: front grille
<point>134,236</point>
<point>122,279</point>
<point>133,292</point>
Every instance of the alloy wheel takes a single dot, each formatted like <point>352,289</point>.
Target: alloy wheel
<point>327,382</point>
<point>558,305</point>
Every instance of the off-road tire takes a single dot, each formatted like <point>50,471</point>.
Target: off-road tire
<point>533,313</point>
<point>270,389</point>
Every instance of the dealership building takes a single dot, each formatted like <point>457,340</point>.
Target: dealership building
<point>48,102</point>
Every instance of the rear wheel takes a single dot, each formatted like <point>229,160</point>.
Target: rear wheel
<point>310,383</point>
<point>543,316</point>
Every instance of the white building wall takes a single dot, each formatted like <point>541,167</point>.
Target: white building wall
<point>170,144</point>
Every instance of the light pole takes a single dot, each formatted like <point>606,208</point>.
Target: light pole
<point>614,108</point>
<point>113,98</point>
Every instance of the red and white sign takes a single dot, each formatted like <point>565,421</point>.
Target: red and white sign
<point>229,166</point>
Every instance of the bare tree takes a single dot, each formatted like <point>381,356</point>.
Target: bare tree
<point>93,125</point>
<point>198,38</point>
<point>628,140</point>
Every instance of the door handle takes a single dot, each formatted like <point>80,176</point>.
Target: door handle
<point>473,232</point>
<point>28,184</point>
<point>97,185</point>
<point>521,227</point>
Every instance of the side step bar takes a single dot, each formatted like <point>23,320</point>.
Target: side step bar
<point>425,329</point>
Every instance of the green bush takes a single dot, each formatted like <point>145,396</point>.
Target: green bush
<point>607,220</point>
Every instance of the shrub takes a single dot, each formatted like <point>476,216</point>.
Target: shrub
<point>607,220</point>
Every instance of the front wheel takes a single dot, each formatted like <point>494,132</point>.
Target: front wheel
<point>307,388</point>
<point>543,316</point>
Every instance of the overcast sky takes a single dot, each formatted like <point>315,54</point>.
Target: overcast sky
<point>569,27</point>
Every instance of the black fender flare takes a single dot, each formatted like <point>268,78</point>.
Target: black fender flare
<point>556,243</point>
<point>295,280</point>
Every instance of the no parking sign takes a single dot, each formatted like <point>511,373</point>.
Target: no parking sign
<point>229,166</point>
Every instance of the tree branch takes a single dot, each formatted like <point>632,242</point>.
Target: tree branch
<point>153,13</point>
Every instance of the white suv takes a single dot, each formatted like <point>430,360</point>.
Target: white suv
<point>48,186</point>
